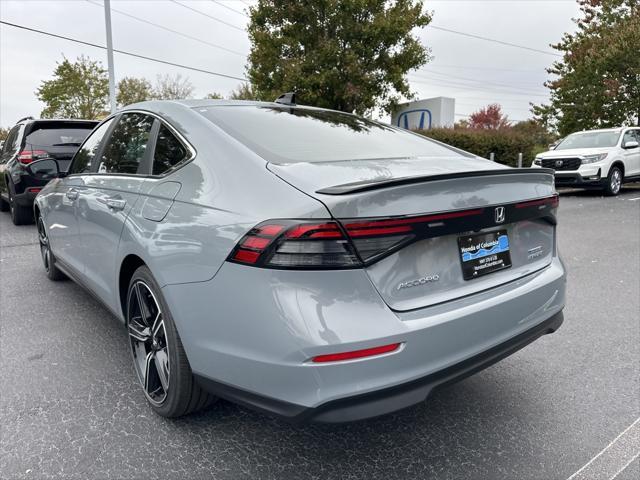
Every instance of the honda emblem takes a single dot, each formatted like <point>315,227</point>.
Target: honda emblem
<point>499,214</point>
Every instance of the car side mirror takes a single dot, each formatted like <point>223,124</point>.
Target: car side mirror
<point>630,144</point>
<point>46,169</point>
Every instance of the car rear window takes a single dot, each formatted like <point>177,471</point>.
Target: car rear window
<point>58,134</point>
<point>291,135</point>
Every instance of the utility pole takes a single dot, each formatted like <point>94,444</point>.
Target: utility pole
<point>112,80</point>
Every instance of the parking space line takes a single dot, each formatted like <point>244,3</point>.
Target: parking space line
<point>615,457</point>
<point>633,199</point>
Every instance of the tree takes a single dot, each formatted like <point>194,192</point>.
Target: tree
<point>597,82</point>
<point>172,88</point>
<point>133,90</point>
<point>490,117</point>
<point>213,96</point>
<point>78,89</point>
<point>350,55</point>
<point>244,91</point>
<point>4,133</point>
<point>535,130</point>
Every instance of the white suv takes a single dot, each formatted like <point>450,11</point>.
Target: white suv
<point>595,159</point>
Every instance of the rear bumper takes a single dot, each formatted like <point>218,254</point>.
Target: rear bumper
<point>249,334</point>
<point>387,400</point>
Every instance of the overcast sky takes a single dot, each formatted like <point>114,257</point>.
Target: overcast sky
<point>473,71</point>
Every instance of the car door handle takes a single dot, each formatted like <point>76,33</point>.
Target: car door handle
<point>72,194</point>
<point>116,203</point>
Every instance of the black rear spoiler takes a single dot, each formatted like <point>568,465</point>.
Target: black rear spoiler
<point>378,183</point>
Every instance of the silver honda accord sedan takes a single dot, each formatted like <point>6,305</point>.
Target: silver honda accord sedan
<point>304,262</point>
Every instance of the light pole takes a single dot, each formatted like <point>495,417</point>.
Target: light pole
<point>112,81</point>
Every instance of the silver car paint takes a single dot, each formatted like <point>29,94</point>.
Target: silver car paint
<point>256,328</point>
<point>417,198</point>
<point>440,256</point>
<point>293,316</point>
<point>203,221</point>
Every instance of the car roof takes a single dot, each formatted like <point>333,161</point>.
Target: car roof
<point>47,120</point>
<point>156,105</point>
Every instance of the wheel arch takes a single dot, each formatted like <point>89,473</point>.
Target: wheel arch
<point>129,265</point>
<point>617,163</point>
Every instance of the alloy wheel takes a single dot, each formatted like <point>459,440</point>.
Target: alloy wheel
<point>148,339</point>
<point>44,244</point>
<point>616,181</point>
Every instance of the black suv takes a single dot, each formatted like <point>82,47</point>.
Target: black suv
<point>32,140</point>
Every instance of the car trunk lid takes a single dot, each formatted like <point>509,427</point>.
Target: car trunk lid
<point>410,219</point>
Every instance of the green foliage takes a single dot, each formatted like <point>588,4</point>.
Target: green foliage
<point>244,91</point>
<point>597,81</point>
<point>133,90</point>
<point>78,89</point>
<point>4,133</point>
<point>350,55</point>
<point>213,96</point>
<point>536,131</point>
<point>505,144</point>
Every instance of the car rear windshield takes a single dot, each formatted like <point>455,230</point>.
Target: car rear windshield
<point>291,135</point>
<point>57,134</point>
<point>589,140</point>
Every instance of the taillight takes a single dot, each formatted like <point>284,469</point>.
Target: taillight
<point>353,243</point>
<point>552,202</point>
<point>294,244</point>
<point>374,238</point>
<point>27,156</point>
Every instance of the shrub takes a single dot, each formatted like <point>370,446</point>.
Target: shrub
<point>504,143</point>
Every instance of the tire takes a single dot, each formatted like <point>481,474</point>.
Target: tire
<point>4,205</point>
<point>159,359</point>
<point>48,259</point>
<point>614,181</point>
<point>20,215</point>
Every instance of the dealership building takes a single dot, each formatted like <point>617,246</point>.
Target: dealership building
<point>429,113</point>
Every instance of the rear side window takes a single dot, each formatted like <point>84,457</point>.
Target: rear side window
<point>169,152</point>
<point>82,161</point>
<point>127,145</point>
<point>290,135</point>
<point>11,143</point>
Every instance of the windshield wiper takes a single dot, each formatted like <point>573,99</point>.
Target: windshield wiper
<point>69,144</point>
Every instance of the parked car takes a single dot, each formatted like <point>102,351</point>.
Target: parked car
<point>301,261</point>
<point>31,140</point>
<point>603,159</point>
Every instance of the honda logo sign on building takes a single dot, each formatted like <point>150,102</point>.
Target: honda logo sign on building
<point>425,114</point>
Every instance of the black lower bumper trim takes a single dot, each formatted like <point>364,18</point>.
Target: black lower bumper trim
<point>577,180</point>
<point>380,402</point>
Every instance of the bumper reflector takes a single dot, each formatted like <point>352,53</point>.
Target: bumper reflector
<point>367,352</point>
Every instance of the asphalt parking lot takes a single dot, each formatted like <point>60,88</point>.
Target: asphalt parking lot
<point>70,407</point>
